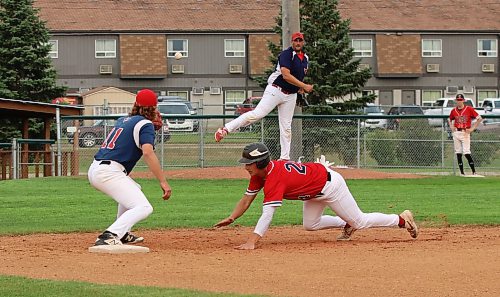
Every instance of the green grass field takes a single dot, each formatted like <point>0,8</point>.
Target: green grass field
<point>12,286</point>
<point>70,204</point>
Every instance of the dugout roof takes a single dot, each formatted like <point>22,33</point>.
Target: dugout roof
<point>10,108</point>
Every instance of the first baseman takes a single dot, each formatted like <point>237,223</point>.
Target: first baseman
<point>314,183</point>
<point>132,137</point>
<point>283,85</point>
<point>460,122</point>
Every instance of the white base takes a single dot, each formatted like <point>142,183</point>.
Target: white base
<point>118,249</point>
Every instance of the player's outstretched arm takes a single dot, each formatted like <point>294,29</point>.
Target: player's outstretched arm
<point>238,211</point>
<point>154,165</point>
<point>260,229</point>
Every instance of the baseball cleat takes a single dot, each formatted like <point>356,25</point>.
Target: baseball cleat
<point>346,233</point>
<point>107,238</point>
<point>410,224</point>
<point>220,134</point>
<point>130,238</point>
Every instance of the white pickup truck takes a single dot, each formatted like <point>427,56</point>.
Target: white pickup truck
<point>491,106</point>
<point>443,106</point>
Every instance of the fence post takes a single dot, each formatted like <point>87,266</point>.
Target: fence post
<point>59,145</point>
<point>14,159</point>
<point>162,142</point>
<point>358,160</point>
<point>364,150</point>
<point>53,158</point>
<point>443,131</point>
<point>201,131</point>
<point>262,130</point>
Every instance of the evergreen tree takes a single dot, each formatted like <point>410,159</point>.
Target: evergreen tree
<point>26,70</point>
<point>333,69</point>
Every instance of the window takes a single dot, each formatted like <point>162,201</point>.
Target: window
<point>235,97</point>
<point>177,45</point>
<point>486,48</point>
<point>105,48</point>
<point>430,96</point>
<point>234,47</point>
<point>182,94</point>
<point>362,47</point>
<point>432,48</point>
<point>54,51</point>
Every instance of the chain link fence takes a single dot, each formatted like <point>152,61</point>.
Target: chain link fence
<point>404,143</point>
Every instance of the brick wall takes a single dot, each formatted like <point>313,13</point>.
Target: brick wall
<point>398,55</point>
<point>143,55</point>
<point>259,53</point>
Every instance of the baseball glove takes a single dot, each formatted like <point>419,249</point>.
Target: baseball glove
<point>322,160</point>
<point>157,122</point>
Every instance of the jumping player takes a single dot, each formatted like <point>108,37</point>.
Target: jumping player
<point>460,121</point>
<point>132,137</point>
<point>283,85</point>
<point>314,183</point>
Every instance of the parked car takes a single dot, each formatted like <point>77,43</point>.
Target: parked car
<point>247,105</point>
<point>95,134</point>
<point>491,106</point>
<point>374,123</point>
<point>401,110</point>
<point>490,125</point>
<point>177,108</point>
<point>192,110</point>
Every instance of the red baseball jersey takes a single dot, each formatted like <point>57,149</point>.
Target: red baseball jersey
<point>289,180</point>
<point>463,117</point>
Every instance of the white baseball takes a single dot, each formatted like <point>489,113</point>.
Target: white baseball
<point>178,55</point>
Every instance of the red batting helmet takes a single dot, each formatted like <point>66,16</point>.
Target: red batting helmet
<point>146,97</point>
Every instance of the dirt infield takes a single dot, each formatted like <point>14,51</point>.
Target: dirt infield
<point>289,261</point>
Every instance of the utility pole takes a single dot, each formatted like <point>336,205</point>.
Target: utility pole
<point>291,24</point>
<point>290,20</point>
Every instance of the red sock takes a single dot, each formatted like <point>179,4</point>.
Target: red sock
<point>401,223</point>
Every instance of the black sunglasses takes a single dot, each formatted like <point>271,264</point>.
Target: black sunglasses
<point>298,39</point>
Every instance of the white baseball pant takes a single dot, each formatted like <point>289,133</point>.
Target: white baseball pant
<point>338,197</point>
<point>133,206</point>
<point>461,142</point>
<point>272,97</point>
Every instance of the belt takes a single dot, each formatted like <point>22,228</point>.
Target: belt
<point>283,90</point>
<point>328,178</point>
<point>108,162</point>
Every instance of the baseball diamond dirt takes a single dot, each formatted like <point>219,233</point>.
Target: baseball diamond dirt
<point>444,261</point>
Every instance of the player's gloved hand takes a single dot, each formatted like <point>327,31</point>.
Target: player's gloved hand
<point>157,122</point>
<point>322,160</point>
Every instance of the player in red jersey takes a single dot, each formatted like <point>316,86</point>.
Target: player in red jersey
<point>314,183</point>
<point>460,122</point>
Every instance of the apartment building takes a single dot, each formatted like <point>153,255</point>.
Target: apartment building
<point>418,50</point>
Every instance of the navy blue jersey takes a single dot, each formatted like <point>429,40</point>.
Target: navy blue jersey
<point>123,143</point>
<point>298,68</point>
